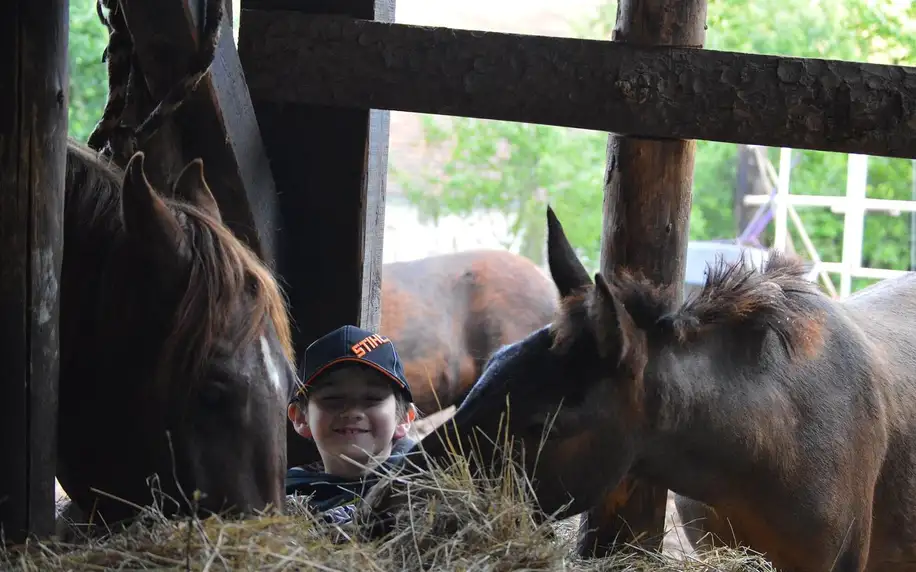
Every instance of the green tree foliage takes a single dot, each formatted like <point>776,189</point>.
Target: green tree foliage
<point>513,167</point>
<point>88,75</point>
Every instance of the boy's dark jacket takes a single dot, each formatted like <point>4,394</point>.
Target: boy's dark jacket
<point>333,496</point>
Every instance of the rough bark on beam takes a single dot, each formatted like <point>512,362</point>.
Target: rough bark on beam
<point>33,131</point>
<point>217,123</point>
<point>683,93</point>
<point>330,166</point>
<point>647,197</point>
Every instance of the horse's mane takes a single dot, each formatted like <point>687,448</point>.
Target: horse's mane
<point>777,298</point>
<point>222,268</point>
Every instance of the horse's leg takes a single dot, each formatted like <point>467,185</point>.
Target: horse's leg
<point>706,530</point>
<point>633,507</point>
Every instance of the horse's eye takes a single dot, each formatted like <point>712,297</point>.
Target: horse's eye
<point>544,427</point>
<point>213,395</point>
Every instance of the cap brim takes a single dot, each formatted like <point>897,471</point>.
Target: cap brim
<point>304,386</point>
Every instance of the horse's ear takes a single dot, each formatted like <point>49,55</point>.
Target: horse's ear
<point>615,327</point>
<point>192,187</point>
<point>147,219</point>
<point>565,267</point>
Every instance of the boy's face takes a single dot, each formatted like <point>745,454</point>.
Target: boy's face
<point>351,411</point>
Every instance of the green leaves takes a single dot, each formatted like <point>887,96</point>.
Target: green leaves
<point>88,75</point>
<point>514,168</point>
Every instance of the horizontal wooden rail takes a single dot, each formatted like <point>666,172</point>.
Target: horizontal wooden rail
<point>649,92</point>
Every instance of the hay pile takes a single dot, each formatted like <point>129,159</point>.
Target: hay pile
<point>447,525</point>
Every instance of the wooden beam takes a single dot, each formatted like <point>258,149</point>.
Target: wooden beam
<point>33,146</point>
<point>217,123</point>
<point>626,89</point>
<point>647,197</point>
<point>330,166</point>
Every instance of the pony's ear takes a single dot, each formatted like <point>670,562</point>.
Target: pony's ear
<point>615,328</point>
<point>147,219</point>
<point>568,273</point>
<point>191,186</point>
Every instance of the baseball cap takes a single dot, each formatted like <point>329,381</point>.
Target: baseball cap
<point>353,345</point>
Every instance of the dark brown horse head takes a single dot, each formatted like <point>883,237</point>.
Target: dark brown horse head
<point>588,398</point>
<point>176,354</point>
<point>564,393</point>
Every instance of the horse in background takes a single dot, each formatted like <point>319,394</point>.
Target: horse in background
<point>789,416</point>
<point>447,314</point>
<point>176,357</point>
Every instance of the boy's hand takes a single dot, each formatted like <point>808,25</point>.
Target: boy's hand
<point>423,427</point>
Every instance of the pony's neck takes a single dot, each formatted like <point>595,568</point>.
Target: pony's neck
<point>717,425</point>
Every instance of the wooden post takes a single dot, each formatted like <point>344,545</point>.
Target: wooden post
<point>33,131</point>
<point>330,167</point>
<point>647,200</point>
<point>217,123</point>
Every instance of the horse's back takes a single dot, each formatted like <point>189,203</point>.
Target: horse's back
<point>893,296</point>
<point>510,289</point>
<point>503,287</point>
<point>447,314</point>
<point>886,312</point>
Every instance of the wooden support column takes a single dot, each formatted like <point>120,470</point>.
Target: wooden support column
<point>330,167</point>
<point>33,146</point>
<point>218,122</point>
<point>647,199</point>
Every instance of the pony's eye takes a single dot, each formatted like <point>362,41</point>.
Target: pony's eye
<point>545,426</point>
<point>213,395</point>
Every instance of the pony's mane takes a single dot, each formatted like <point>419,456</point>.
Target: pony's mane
<point>222,268</point>
<point>777,298</point>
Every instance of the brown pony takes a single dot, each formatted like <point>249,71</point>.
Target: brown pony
<point>790,415</point>
<point>175,349</point>
<point>447,314</point>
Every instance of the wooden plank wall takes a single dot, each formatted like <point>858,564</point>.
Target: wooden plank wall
<point>33,144</point>
<point>330,168</point>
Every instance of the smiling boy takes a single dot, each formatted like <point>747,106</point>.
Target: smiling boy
<point>354,401</point>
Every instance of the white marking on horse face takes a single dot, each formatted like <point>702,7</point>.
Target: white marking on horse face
<point>272,372</point>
